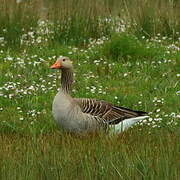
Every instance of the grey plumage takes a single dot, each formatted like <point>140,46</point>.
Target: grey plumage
<point>88,115</point>
<point>107,113</point>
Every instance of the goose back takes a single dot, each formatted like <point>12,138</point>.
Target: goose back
<point>106,111</point>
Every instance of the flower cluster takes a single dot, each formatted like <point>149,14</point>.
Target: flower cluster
<point>39,35</point>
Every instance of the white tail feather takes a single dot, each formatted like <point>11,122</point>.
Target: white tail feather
<point>125,124</point>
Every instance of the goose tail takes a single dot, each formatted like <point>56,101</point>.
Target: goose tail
<point>125,124</point>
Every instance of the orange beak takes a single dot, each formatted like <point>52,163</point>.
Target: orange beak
<point>56,65</point>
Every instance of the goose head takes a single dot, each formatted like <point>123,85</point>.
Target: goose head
<point>63,63</point>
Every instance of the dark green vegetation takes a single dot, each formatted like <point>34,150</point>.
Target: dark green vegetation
<point>123,52</point>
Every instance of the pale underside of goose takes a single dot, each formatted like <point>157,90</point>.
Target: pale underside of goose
<point>83,115</point>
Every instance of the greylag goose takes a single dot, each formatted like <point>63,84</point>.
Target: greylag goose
<point>83,115</point>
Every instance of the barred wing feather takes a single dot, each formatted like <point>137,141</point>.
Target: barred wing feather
<point>106,111</point>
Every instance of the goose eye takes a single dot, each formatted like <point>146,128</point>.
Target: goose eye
<point>64,59</point>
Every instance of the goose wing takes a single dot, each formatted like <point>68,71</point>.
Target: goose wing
<point>106,111</point>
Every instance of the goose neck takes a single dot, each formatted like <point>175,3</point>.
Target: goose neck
<point>67,80</point>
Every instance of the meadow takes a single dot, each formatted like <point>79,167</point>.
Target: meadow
<point>125,52</point>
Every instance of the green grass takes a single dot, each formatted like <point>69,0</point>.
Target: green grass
<point>60,156</point>
<point>34,148</point>
<point>132,67</point>
<point>74,23</point>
